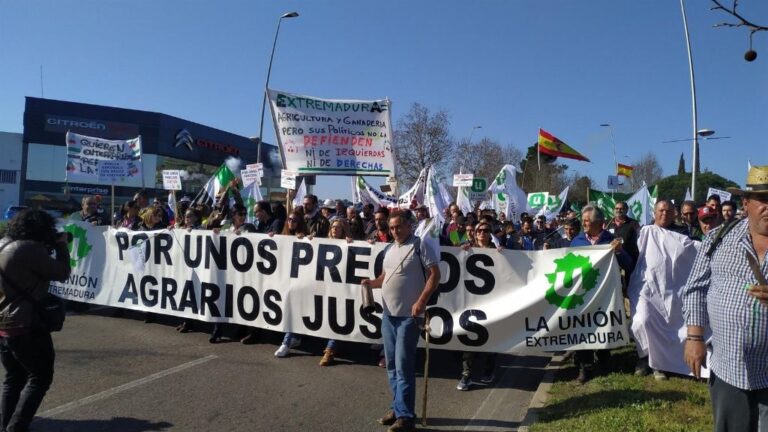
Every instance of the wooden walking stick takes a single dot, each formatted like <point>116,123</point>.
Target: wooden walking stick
<point>426,370</point>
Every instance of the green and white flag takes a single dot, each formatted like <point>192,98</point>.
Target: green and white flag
<point>251,195</point>
<point>554,205</point>
<point>641,206</point>
<point>367,194</point>
<point>221,178</point>
<point>507,195</point>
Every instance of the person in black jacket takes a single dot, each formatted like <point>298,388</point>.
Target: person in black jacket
<point>26,347</point>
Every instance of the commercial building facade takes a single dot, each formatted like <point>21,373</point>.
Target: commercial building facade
<point>167,143</point>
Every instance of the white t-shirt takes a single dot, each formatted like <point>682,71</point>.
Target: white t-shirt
<point>405,273</point>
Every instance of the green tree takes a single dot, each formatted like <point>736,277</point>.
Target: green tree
<point>674,187</point>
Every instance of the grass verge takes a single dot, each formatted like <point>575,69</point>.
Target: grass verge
<point>617,400</point>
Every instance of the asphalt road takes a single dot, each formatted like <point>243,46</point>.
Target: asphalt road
<point>122,375</point>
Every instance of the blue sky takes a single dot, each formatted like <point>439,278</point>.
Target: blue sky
<point>510,66</point>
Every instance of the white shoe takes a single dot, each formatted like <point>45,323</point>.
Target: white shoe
<point>282,351</point>
<point>659,375</point>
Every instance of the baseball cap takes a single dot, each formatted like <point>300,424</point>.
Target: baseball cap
<point>706,212</point>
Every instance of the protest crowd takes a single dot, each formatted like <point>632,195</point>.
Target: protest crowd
<point>661,306</point>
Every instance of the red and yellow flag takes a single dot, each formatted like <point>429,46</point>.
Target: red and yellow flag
<point>550,145</point>
<point>624,170</point>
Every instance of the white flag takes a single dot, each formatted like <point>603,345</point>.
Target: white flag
<point>434,199</point>
<point>251,195</point>
<point>554,205</point>
<point>688,196</point>
<point>508,196</point>
<point>367,194</point>
<point>415,194</point>
<point>462,200</point>
<point>301,192</point>
<point>641,206</point>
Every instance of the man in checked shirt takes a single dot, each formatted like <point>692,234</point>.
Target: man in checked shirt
<point>727,291</point>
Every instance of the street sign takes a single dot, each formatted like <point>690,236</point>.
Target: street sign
<point>613,182</point>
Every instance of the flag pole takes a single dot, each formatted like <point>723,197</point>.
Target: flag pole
<point>112,205</point>
<point>426,370</point>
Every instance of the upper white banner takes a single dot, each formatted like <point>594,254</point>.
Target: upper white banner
<point>339,137</point>
<point>85,155</point>
<point>509,301</point>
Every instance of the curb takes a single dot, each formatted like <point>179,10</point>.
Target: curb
<point>542,393</point>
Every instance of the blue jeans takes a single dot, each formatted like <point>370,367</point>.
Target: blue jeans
<point>289,337</point>
<point>401,336</point>
<point>28,362</point>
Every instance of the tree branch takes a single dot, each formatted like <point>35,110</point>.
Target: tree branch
<point>743,22</point>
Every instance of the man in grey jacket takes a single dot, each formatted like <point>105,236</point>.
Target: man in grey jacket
<point>26,347</point>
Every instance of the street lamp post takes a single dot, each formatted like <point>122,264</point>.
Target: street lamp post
<point>613,145</point>
<point>695,156</point>
<point>461,168</point>
<point>266,85</point>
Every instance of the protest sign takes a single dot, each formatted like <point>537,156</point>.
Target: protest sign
<point>724,195</point>
<point>288,179</point>
<point>171,180</point>
<point>111,171</point>
<point>339,137</point>
<point>259,167</point>
<point>463,180</point>
<point>478,189</point>
<point>508,301</point>
<point>250,176</point>
<point>85,152</point>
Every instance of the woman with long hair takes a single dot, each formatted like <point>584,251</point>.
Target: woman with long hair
<point>483,239</point>
<point>339,230</point>
<point>294,226</point>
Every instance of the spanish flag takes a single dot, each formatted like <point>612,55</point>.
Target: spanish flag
<point>624,170</point>
<point>550,145</point>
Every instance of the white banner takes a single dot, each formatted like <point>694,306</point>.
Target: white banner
<point>509,301</point>
<point>339,137</point>
<point>84,154</point>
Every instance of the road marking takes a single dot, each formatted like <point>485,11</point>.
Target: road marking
<point>471,423</point>
<point>121,388</point>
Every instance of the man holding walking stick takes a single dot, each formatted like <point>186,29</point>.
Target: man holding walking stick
<point>410,275</point>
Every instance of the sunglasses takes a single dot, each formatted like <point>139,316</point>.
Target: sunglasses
<point>292,220</point>
<point>483,230</point>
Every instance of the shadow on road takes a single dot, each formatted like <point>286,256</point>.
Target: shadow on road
<point>116,424</point>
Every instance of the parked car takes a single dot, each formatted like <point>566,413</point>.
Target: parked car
<point>12,210</point>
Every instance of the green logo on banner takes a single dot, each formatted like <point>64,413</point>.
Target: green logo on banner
<point>479,184</point>
<point>637,209</point>
<point>568,265</point>
<point>79,238</point>
<point>537,200</point>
